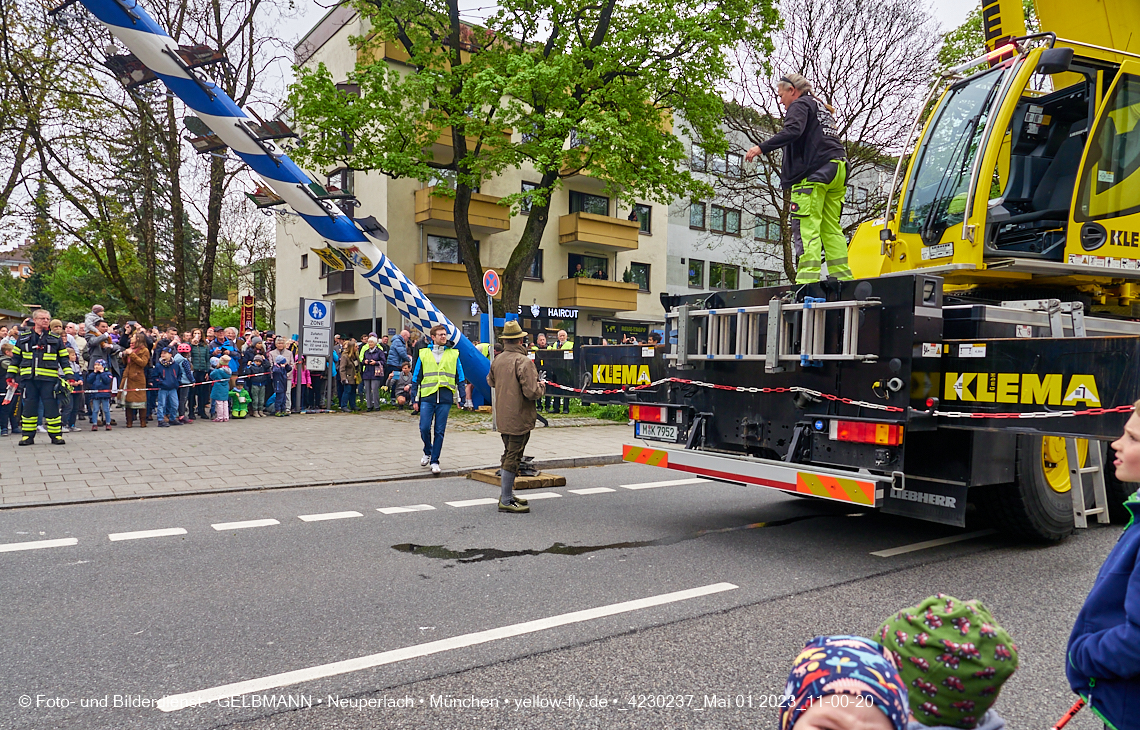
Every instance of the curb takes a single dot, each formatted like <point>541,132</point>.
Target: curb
<point>574,462</point>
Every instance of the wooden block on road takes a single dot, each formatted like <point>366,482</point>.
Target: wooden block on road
<point>541,481</point>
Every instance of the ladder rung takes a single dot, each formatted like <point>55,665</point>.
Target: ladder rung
<point>1089,469</point>
<point>1094,511</point>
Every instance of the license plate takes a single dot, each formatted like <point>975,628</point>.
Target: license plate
<point>655,431</point>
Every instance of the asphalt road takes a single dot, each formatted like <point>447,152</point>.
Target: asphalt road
<point>663,595</point>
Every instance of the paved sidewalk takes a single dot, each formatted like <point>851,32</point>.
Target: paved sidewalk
<point>324,448</point>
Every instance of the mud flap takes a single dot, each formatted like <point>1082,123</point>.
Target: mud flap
<point>931,501</point>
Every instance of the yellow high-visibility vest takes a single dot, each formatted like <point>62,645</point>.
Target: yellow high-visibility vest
<point>444,373</point>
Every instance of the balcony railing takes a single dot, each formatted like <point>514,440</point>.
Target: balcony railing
<point>583,293</point>
<point>598,231</point>
<point>437,279</point>
<point>485,214</point>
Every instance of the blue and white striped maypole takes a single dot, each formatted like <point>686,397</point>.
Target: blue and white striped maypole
<point>135,29</point>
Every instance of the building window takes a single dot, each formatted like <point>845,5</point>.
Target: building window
<point>304,261</point>
<point>577,139</point>
<point>762,278</point>
<point>722,276</point>
<point>735,166</point>
<point>696,274</point>
<point>444,250</point>
<point>697,159</point>
<point>641,214</point>
<point>732,222</point>
<point>535,271</point>
<point>697,215</point>
<point>640,274</point>
<point>527,202</point>
<point>724,220</point>
<point>717,165</point>
<point>586,203</point>
<point>584,266</point>
<point>767,229</point>
<point>327,271</point>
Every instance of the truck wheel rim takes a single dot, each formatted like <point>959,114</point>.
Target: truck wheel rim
<point>1055,461</point>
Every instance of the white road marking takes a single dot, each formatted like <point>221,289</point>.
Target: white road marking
<point>297,676</point>
<point>669,483</point>
<point>115,537</point>
<point>931,543</point>
<point>592,490</point>
<point>472,502</point>
<point>36,545</point>
<point>329,516</point>
<point>409,508</point>
<point>537,495</point>
<point>242,525</point>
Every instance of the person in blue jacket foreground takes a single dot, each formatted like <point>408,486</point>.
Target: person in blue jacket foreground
<point>1104,648</point>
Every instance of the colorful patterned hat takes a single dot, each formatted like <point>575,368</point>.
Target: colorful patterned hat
<point>953,657</point>
<point>844,665</point>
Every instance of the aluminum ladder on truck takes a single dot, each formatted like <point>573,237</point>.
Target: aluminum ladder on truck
<point>1056,309</point>
<point>772,342</point>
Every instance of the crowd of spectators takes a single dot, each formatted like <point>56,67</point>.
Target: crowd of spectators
<point>176,377</point>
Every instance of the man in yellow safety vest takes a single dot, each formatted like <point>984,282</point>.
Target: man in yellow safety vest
<point>438,375</point>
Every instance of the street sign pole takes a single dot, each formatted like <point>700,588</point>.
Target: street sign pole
<point>317,320</point>
<point>491,285</point>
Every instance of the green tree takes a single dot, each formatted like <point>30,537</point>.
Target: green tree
<point>582,88</point>
<point>41,253</point>
<point>968,40</point>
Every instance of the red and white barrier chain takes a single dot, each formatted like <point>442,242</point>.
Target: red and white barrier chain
<point>849,401</point>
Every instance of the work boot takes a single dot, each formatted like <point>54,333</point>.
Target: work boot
<point>57,440</point>
<point>514,506</point>
<point>28,440</point>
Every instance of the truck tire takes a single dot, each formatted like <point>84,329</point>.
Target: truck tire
<point>1117,491</point>
<point>1037,506</point>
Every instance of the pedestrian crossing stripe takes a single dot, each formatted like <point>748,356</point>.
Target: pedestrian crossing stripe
<point>642,455</point>
<point>844,490</point>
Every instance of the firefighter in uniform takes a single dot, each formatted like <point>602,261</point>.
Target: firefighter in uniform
<point>36,365</point>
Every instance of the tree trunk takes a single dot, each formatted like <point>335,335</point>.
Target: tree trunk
<point>147,228</point>
<point>177,214</point>
<point>523,254</point>
<point>213,229</point>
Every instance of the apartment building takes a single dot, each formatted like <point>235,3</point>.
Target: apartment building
<point>15,261</point>
<point>576,282</point>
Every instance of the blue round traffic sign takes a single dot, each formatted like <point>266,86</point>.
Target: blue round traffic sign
<point>491,282</point>
<point>318,310</point>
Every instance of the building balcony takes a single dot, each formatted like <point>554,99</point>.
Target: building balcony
<point>388,50</point>
<point>485,216</point>
<point>598,231</point>
<point>437,279</point>
<point>340,282</point>
<point>583,293</point>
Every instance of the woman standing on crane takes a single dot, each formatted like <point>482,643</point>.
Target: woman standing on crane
<point>814,168</point>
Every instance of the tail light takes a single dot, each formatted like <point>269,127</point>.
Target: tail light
<point>867,432</point>
<point>651,414</point>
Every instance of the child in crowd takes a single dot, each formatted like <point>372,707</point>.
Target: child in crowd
<point>8,422</point>
<point>220,390</point>
<point>99,389</point>
<point>843,682</point>
<point>185,382</point>
<point>954,658</point>
<point>239,400</point>
<point>73,404</point>
<point>167,379</point>
<point>258,374</point>
<point>280,373</point>
<point>401,386</point>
